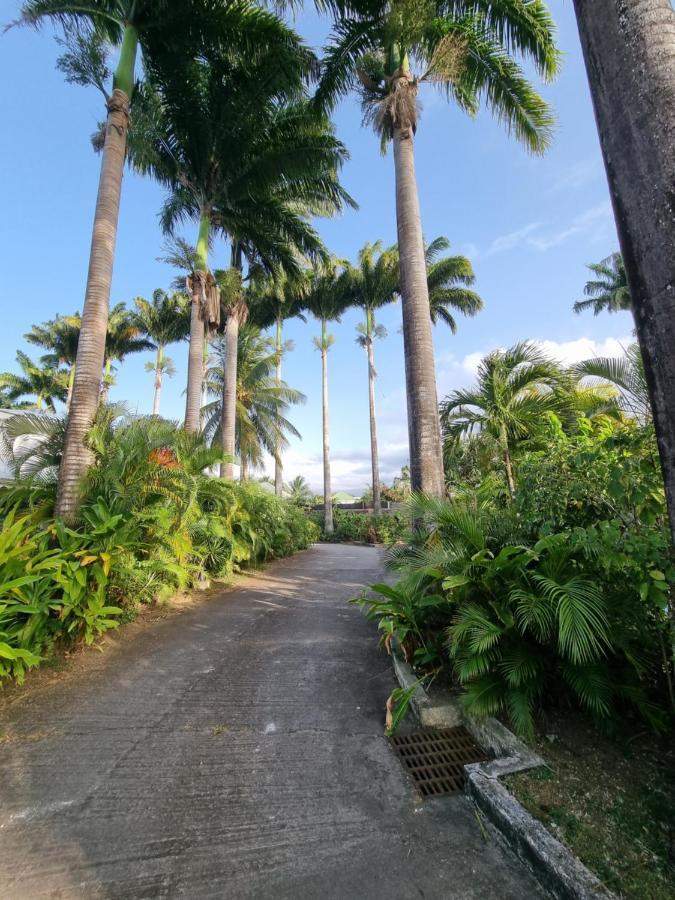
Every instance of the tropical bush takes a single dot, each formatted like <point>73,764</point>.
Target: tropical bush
<point>364,527</point>
<point>151,523</point>
<point>558,596</point>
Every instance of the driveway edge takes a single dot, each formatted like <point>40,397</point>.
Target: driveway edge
<point>553,865</point>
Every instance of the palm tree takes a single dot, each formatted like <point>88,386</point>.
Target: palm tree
<point>60,336</point>
<point>328,296</point>
<point>514,390</point>
<point>448,279</point>
<point>46,384</point>
<point>158,29</point>
<point>629,49</point>
<point>299,491</point>
<point>181,255</point>
<point>373,283</point>
<point>122,339</point>
<point>608,290</point>
<point>467,50</point>
<point>164,320</point>
<point>274,299</point>
<point>627,373</point>
<point>261,423</point>
<point>282,159</point>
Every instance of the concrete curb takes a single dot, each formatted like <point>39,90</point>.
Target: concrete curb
<point>556,869</point>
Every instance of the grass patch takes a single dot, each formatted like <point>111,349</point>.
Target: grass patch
<point>611,800</point>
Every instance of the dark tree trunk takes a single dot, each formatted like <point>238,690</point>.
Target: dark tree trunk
<point>629,49</point>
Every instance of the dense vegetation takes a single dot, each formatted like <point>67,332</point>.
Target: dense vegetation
<point>539,570</point>
<point>152,523</point>
<point>545,580</point>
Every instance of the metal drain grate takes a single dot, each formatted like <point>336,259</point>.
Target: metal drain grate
<point>436,758</point>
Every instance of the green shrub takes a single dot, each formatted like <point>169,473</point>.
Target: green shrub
<point>356,526</point>
<point>579,616</point>
<point>152,523</point>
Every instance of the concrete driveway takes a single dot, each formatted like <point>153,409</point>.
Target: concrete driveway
<point>236,751</point>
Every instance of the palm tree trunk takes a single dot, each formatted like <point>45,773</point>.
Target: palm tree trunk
<point>424,431</point>
<point>158,381</point>
<point>91,346</point>
<point>105,383</point>
<point>243,469</point>
<point>327,493</point>
<point>377,505</point>
<point>629,49</point>
<point>205,368</point>
<point>508,464</point>
<point>197,332</point>
<point>69,395</point>
<point>229,414</point>
<point>278,466</point>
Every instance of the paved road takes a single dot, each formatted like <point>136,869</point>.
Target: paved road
<point>235,751</point>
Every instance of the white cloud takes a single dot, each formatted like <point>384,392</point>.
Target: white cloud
<point>576,176</point>
<point>569,352</point>
<point>350,469</point>
<point>512,239</point>
<point>593,224</point>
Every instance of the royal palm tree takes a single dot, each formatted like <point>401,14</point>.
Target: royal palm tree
<point>299,491</point>
<point>608,290</point>
<point>514,390</point>
<point>448,280</point>
<point>627,373</point>
<point>629,49</point>
<point>123,337</point>
<point>468,51</point>
<point>373,283</point>
<point>261,422</point>
<point>164,320</point>
<point>46,384</point>
<point>274,299</point>
<point>60,337</point>
<point>328,296</point>
<point>282,158</point>
<point>183,256</point>
<point>160,29</point>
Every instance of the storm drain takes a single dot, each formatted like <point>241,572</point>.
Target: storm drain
<point>436,758</point>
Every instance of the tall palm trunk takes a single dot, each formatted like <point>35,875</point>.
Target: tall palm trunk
<point>508,463</point>
<point>229,414</point>
<point>629,49</point>
<point>327,494</point>
<point>158,380</point>
<point>243,469</point>
<point>205,368</point>
<point>424,430</point>
<point>236,317</point>
<point>374,456</point>
<point>91,346</point>
<point>197,331</point>
<point>105,383</point>
<point>71,380</point>
<point>278,466</point>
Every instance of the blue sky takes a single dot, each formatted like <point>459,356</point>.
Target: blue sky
<point>529,225</point>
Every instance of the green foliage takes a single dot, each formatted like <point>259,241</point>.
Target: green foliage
<point>151,524</point>
<point>365,528</point>
<point>558,597</point>
<point>411,621</point>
